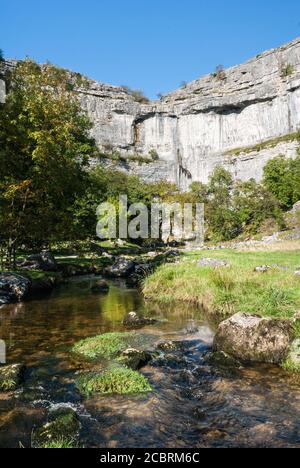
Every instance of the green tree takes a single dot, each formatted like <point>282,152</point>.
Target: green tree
<point>254,204</point>
<point>1,55</point>
<point>44,147</point>
<point>278,180</point>
<point>295,177</point>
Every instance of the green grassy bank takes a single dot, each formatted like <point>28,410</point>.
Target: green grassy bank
<point>225,290</point>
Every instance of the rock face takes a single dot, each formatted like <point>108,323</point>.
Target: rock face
<point>234,120</point>
<point>251,338</point>
<point>239,118</point>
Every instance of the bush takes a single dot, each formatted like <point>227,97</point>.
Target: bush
<point>137,94</point>
<point>287,70</point>
<point>282,179</point>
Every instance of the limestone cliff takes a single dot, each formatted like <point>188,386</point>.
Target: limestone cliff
<point>240,118</point>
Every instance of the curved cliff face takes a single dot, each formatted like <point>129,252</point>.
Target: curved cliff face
<point>219,119</point>
<point>240,118</point>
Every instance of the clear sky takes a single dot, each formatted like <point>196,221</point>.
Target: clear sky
<point>151,45</point>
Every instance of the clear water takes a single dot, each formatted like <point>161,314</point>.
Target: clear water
<point>194,404</point>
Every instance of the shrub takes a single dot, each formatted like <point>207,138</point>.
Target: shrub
<point>137,94</point>
<point>287,70</point>
<point>219,73</point>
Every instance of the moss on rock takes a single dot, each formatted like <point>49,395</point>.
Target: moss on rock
<point>108,345</point>
<point>61,432</point>
<point>292,363</point>
<point>116,380</point>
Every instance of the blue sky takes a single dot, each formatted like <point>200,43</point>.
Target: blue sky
<point>151,45</point>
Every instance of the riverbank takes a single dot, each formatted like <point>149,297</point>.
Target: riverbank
<point>224,282</point>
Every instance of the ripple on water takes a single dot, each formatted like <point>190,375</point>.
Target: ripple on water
<point>193,403</point>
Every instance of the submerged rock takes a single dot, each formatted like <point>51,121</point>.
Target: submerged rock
<point>251,338</point>
<point>11,377</point>
<point>5,299</point>
<point>42,286</point>
<point>133,320</point>
<point>171,346</point>
<point>100,287</point>
<point>61,429</point>
<point>223,360</point>
<point>134,358</point>
<point>13,287</point>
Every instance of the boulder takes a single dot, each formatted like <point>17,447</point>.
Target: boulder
<point>44,261</point>
<point>262,268</point>
<point>5,299</point>
<point>212,262</point>
<point>134,358</point>
<point>251,338</point>
<point>122,268</point>
<point>42,286</point>
<point>11,377</point>
<point>101,286</point>
<point>297,272</point>
<point>292,362</point>
<point>133,320</point>
<point>13,287</point>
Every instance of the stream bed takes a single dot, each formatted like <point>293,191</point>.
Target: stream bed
<point>194,403</point>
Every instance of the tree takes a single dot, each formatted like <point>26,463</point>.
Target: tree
<point>222,220</point>
<point>295,176</point>
<point>44,147</point>
<point>254,205</point>
<point>278,179</point>
<point>1,55</point>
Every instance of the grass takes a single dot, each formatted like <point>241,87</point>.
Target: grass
<point>224,291</point>
<point>107,346</point>
<point>7,385</point>
<point>114,381</point>
<point>272,143</point>
<point>61,443</point>
<point>62,432</point>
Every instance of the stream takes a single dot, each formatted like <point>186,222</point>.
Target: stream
<point>194,404</point>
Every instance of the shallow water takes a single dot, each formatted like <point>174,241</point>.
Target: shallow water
<point>194,404</point>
